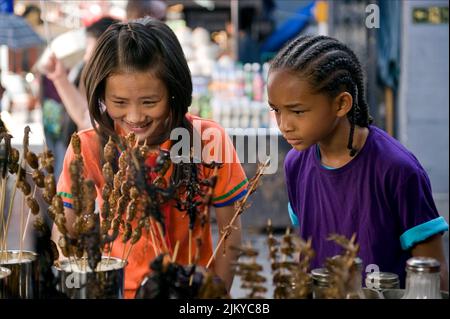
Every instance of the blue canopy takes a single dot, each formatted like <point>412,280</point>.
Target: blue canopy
<point>289,29</point>
<point>16,33</point>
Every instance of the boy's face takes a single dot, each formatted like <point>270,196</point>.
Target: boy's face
<point>137,102</point>
<point>303,116</point>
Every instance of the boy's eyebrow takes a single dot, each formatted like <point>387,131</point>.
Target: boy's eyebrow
<point>289,105</point>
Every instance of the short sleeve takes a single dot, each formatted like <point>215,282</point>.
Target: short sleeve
<point>64,182</point>
<point>91,163</point>
<point>231,182</point>
<point>293,216</point>
<point>419,218</point>
<point>291,200</point>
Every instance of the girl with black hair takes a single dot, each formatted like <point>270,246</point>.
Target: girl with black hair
<point>138,80</point>
<point>343,174</point>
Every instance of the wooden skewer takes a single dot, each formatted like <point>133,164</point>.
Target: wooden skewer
<point>2,207</point>
<point>175,251</point>
<point>22,217</point>
<point>190,247</point>
<point>123,252</point>
<point>152,236</point>
<point>238,212</point>
<point>23,234</point>
<point>128,254</point>
<point>166,249</point>
<point>8,219</point>
<point>109,252</point>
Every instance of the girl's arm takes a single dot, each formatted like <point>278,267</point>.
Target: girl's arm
<point>70,219</point>
<point>223,262</point>
<point>433,247</point>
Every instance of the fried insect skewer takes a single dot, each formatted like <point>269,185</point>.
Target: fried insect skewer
<point>249,271</point>
<point>241,205</point>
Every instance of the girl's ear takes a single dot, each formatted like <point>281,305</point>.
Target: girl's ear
<point>343,104</point>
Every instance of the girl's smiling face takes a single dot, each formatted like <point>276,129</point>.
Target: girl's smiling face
<point>303,116</point>
<point>137,102</point>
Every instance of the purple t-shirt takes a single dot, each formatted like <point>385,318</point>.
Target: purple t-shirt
<point>383,195</point>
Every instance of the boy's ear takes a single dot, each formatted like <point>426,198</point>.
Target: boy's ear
<point>343,104</point>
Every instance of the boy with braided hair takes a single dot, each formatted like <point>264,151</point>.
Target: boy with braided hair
<point>343,174</point>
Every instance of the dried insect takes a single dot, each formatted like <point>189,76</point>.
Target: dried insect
<point>75,143</point>
<point>108,173</point>
<point>33,205</point>
<point>64,245</point>
<point>38,178</point>
<point>126,233</point>
<point>48,161</point>
<point>109,150</point>
<point>14,155</point>
<point>24,187</point>
<point>32,160</point>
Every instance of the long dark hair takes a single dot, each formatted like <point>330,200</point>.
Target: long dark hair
<point>330,67</point>
<point>140,45</point>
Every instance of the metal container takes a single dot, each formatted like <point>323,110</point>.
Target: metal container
<point>321,281</point>
<point>77,281</point>
<point>23,282</point>
<point>398,294</point>
<point>422,278</point>
<point>382,280</point>
<point>372,294</point>
<point>4,274</point>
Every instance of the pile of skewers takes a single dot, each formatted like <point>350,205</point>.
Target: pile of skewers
<point>42,181</point>
<point>290,275</point>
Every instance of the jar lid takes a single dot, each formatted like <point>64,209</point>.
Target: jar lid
<point>382,277</point>
<point>4,272</point>
<point>423,264</point>
<point>320,275</point>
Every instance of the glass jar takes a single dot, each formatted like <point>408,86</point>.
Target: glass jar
<point>422,278</point>
<point>320,281</point>
<point>355,290</point>
<point>382,280</point>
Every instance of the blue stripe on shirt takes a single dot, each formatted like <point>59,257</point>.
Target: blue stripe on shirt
<point>423,231</point>
<point>68,205</point>
<point>232,200</point>
<point>293,216</point>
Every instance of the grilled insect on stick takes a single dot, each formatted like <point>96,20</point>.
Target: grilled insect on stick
<point>293,277</point>
<point>76,175</point>
<point>240,207</point>
<point>249,271</point>
<point>342,269</point>
<point>278,278</point>
<point>21,176</point>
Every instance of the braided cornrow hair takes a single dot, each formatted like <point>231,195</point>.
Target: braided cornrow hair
<point>331,67</point>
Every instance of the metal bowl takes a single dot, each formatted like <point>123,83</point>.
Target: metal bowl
<point>372,294</point>
<point>23,282</point>
<point>77,281</point>
<point>398,293</point>
<point>4,274</point>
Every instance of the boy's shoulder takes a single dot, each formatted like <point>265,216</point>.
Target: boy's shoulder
<point>390,153</point>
